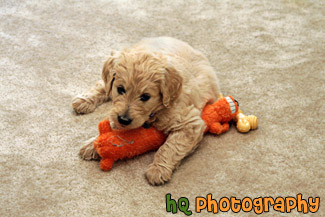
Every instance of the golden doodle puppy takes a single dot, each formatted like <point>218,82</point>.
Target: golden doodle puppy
<point>161,82</point>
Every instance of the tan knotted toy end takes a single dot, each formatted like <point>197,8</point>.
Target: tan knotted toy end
<point>246,123</point>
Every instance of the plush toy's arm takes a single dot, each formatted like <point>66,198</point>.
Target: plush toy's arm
<point>104,127</point>
<point>218,128</point>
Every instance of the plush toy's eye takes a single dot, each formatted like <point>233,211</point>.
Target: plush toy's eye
<point>120,90</point>
<point>144,97</point>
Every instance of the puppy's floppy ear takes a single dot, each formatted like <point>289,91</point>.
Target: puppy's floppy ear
<point>170,86</point>
<point>108,75</point>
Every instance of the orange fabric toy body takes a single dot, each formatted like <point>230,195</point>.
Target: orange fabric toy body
<point>113,145</point>
<point>218,114</point>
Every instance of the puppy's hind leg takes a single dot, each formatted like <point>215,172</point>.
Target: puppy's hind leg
<point>88,101</point>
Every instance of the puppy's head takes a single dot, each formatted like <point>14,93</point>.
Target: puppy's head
<point>140,84</point>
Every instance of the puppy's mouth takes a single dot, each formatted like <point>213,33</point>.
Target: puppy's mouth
<point>118,126</point>
<point>115,125</point>
<point>147,124</point>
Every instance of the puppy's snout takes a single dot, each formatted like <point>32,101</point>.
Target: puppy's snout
<point>122,119</point>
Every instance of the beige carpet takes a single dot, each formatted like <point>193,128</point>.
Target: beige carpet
<point>270,55</point>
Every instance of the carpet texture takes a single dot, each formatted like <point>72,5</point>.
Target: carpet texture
<point>270,55</point>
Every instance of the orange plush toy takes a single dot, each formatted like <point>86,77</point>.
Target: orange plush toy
<point>112,145</point>
<point>218,114</point>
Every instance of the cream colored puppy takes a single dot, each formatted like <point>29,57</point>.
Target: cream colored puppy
<point>161,82</point>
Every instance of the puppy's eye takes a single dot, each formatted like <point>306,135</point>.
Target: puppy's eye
<point>120,90</point>
<point>144,97</point>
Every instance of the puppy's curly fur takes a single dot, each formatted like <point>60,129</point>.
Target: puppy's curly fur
<point>162,82</point>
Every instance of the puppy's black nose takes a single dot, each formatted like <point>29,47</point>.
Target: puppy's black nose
<point>122,119</point>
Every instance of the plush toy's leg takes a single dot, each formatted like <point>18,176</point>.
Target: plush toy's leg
<point>217,128</point>
<point>106,164</point>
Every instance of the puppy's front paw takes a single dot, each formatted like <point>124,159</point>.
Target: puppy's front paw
<point>158,175</point>
<point>88,152</point>
<point>83,105</point>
